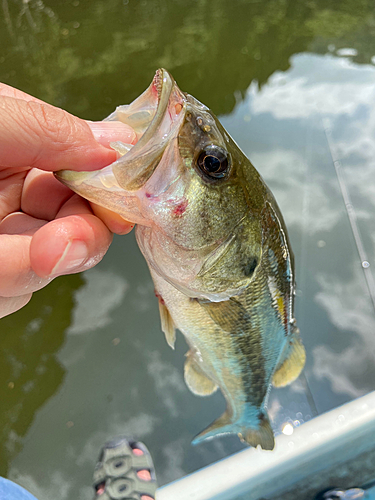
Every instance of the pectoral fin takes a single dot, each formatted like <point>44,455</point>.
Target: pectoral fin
<point>229,315</point>
<point>196,379</point>
<point>291,362</point>
<point>167,324</point>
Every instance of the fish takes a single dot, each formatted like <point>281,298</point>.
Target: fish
<point>217,248</point>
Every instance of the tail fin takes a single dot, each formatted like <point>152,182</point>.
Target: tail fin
<point>262,435</point>
<point>222,425</point>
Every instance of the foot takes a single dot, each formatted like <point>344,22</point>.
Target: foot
<point>125,471</point>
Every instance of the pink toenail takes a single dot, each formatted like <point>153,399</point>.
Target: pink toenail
<point>144,475</point>
<point>100,489</point>
<point>137,452</point>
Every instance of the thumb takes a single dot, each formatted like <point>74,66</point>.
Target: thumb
<point>36,134</point>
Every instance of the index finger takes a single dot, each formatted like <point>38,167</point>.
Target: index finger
<point>36,134</point>
<point>8,91</point>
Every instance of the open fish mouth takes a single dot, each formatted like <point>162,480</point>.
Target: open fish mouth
<point>156,117</point>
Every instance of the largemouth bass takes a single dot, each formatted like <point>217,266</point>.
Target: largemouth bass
<point>217,248</point>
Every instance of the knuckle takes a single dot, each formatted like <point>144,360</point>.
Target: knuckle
<point>52,125</point>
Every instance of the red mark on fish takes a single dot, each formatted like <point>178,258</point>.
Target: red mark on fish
<point>179,209</point>
<point>158,296</point>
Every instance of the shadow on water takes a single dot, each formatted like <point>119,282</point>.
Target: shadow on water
<point>30,373</point>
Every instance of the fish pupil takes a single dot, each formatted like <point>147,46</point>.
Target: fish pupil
<point>213,161</point>
<point>212,164</point>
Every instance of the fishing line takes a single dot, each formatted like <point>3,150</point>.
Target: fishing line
<point>308,392</point>
<point>303,266</point>
<point>351,213</point>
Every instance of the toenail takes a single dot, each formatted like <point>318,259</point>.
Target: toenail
<point>137,452</point>
<point>144,475</point>
<point>100,488</point>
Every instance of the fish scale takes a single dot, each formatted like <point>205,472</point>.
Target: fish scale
<point>217,249</point>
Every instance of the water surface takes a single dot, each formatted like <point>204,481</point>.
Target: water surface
<point>86,360</point>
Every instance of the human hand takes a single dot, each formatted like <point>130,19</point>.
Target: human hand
<point>45,229</point>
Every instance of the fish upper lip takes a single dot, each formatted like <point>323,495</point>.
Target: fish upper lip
<point>163,84</point>
<point>134,169</point>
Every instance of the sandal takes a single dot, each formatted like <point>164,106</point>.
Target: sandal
<point>125,471</point>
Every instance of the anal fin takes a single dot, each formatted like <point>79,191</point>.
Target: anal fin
<point>196,379</point>
<point>167,323</point>
<point>291,362</point>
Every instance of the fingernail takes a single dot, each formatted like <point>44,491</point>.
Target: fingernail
<point>107,132</point>
<point>74,256</point>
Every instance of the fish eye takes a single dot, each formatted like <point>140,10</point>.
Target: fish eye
<point>214,162</point>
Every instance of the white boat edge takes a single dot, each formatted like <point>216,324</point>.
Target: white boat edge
<point>337,437</point>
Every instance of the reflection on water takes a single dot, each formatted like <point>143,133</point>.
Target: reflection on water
<point>214,48</point>
<point>30,372</point>
<point>95,301</point>
<point>87,358</point>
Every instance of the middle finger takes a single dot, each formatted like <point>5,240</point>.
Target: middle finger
<point>43,195</point>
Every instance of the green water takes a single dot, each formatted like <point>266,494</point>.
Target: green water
<point>86,360</point>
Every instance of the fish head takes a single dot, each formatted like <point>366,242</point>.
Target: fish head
<point>196,197</point>
<point>155,116</point>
